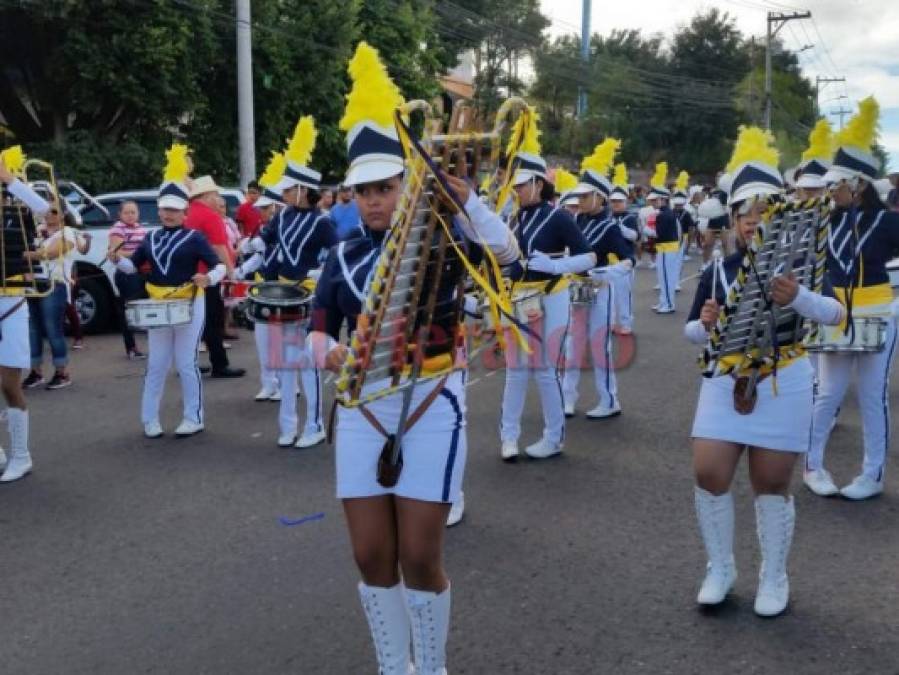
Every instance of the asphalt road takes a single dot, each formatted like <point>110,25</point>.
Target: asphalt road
<point>125,555</point>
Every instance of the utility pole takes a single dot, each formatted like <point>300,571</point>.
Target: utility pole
<point>585,57</point>
<point>245,124</point>
<point>825,81</point>
<point>776,21</point>
<point>842,112</point>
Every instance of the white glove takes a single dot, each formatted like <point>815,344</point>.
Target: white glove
<point>628,233</point>
<point>256,245</point>
<point>540,262</point>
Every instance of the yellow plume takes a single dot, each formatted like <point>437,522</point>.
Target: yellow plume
<point>373,95</point>
<point>274,171</point>
<point>565,180</point>
<point>13,159</point>
<point>486,183</point>
<point>177,165</point>
<point>753,145</point>
<point>300,148</point>
<point>683,181</point>
<point>603,157</point>
<point>620,178</point>
<point>861,131</point>
<point>820,142</point>
<point>660,177</point>
<point>528,139</point>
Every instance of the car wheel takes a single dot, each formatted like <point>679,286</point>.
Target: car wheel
<point>94,305</point>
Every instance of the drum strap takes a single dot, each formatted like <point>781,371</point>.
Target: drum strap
<point>414,416</point>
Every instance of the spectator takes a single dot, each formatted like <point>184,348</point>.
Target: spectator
<point>326,200</point>
<point>57,253</point>
<point>233,242</point>
<point>248,218</point>
<point>124,238</point>
<point>203,216</point>
<point>345,214</point>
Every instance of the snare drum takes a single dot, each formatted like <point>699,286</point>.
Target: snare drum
<point>276,302</point>
<point>583,291</point>
<point>867,335</point>
<point>158,313</point>
<point>527,306</point>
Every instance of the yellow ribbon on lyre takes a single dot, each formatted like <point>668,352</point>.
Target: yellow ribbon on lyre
<point>498,297</point>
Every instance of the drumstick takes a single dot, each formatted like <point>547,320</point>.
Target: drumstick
<point>716,255</point>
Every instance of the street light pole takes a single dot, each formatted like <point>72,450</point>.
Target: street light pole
<point>245,125</point>
<point>585,57</point>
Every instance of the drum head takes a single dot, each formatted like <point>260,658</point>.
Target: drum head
<point>277,293</point>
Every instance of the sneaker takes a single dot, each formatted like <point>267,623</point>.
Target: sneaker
<point>862,487</point>
<point>59,381</point>
<point>153,429</point>
<point>136,355</point>
<point>509,451</point>
<point>678,289</point>
<point>663,310</point>
<point>188,428</point>
<point>202,348</point>
<point>286,440</point>
<point>543,449</point>
<point>601,411</point>
<point>34,379</point>
<point>78,344</point>
<point>457,511</point>
<point>820,482</point>
<point>656,287</point>
<point>569,409</point>
<point>227,345</point>
<point>275,397</point>
<point>264,395</point>
<point>308,440</point>
<point>652,265</point>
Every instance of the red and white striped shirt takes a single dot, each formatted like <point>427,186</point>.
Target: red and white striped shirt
<point>132,235</point>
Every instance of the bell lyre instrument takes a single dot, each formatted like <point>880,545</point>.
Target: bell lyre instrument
<point>751,332</point>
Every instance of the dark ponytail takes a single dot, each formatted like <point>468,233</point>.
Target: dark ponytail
<point>548,191</point>
<point>870,199</point>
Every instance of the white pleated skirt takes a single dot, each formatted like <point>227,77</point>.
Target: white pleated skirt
<point>778,422</point>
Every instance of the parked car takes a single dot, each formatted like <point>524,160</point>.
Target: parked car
<point>96,289</point>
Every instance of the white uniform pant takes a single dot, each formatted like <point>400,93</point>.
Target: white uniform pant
<point>268,378</point>
<point>290,359</point>
<point>178,344</point>
<point>590,341</point>
<point>873,388</point>
<point>623,287</point>
<point>545,363</point>
<point>668,270</point>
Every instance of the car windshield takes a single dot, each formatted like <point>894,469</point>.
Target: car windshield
<point>94,217</point>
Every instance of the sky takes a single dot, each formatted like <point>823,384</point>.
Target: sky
<point>855,39</point>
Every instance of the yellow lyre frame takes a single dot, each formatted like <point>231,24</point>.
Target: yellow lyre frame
<point>25,291</point>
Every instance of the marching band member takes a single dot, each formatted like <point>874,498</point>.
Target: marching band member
<point>591,331</point>
<point>775,430</point>
<point>302,232</point>
<point>263,265</point>
<point>667,243</point>
<point>174,252</point>
<point>565,183</point>
<point>685,223</point>
<point>863,237</point>
<point>15,349</point>
<point>623,284</point>
<point>541,230</point>
<point>714,217</point>
<point>815,162</point>
<point>397,532</point>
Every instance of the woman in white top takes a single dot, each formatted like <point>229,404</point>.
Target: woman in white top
<point>56,252</point>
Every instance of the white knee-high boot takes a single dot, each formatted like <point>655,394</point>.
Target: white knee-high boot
<point>716,524</point>
<point>385,609</point>
<point>430,615</point>
<point>775,517</point>
<point>19,463</point>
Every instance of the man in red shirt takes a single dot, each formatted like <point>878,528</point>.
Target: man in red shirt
<point>203,216</point>
<point>248,218</point>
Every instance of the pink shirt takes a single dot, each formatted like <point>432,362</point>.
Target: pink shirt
<point>132,235</point>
